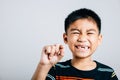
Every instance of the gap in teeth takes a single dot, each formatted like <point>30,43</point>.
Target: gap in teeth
<point>82,47</point>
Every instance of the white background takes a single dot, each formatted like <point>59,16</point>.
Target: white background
<point>27,25</point>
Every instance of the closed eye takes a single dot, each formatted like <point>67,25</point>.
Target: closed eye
<point>90,33</point>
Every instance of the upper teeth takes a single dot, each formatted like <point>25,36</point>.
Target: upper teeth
<point>85,47</point>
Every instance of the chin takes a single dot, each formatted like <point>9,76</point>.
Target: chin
<point>82,56</point>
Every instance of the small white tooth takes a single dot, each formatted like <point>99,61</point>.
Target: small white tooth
<point>86,47</point>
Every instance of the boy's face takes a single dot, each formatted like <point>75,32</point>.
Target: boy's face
<point>82,38</point>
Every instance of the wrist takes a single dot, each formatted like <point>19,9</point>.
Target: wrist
<point>41,71</point>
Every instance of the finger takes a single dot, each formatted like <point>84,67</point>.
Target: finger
<point>61,49</point>
<point>52,52</point>
<point>45,53</point>
<point>47,49</point>
<point>57,48</point>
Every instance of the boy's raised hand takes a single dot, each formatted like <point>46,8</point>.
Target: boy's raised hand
<point>51,54</point>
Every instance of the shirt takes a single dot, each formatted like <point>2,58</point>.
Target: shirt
<point>65,71</point>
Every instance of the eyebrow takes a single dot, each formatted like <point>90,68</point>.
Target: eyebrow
<point>74,29</point>
<point>92,30</point>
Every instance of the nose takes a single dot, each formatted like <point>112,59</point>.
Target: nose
<point>82,38</point>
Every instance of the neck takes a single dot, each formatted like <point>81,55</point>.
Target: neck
<point>83,64</point>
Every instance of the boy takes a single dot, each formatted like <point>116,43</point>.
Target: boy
<point>83,36</point>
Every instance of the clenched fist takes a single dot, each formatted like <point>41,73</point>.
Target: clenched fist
<point>51,54</point>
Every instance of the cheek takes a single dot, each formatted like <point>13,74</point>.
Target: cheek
<point>94,41</point>
<point>72,39</point>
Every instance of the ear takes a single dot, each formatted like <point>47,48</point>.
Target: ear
<point>100,39</point>
<point>65,38</point>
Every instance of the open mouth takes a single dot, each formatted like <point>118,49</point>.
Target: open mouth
<point>82,47</point>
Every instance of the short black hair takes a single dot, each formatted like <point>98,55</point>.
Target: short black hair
<point>81,14</point>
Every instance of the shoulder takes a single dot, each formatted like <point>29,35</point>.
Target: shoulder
<point>103,67</point>
<point>107,70</point>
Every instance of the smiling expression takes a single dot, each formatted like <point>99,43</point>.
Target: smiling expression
<point>82,37</point>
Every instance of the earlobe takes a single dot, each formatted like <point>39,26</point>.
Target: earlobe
<point>65,38</point>
<point>100,39</point>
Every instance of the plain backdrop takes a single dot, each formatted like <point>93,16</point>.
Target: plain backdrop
<point>27,25</point>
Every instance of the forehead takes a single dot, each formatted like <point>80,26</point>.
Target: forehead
<point>83,24</point>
